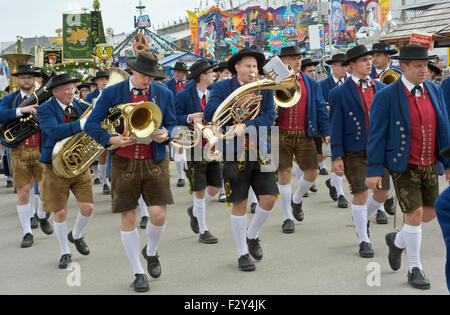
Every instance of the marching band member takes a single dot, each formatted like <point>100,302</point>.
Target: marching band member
<point>433,72</point>
<point>59,119</point>
<point>204,176</point>
<point>139,168</point>
<point>240,175</point>
<point>101,79</point>
<point>338,77</point>
<point>309,67</point>
<point>298,125</point>
<point>349,116</point>
<point>381,59</point>
<point>409,127</point>
<point>176,85</point>
<point>25,156</point>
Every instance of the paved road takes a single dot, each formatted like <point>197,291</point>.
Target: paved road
<point>321,257</point>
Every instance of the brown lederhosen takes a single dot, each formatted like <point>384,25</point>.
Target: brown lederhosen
<point>131,178</point>
<point>25,165</point>
<point>355,167</point>
<point>56,190</point>
<point>298,144</point>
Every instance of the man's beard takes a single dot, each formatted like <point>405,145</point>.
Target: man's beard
<point>26,88</point>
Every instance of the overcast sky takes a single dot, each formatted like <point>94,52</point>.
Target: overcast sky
<point>29,18</point>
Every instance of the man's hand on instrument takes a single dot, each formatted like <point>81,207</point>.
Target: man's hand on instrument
<point>338,167</point>
<point>238,129</point>
<point>195,116</point>
<point>29,109</point>
<point>121,141</point>
<point>160,136</point>
<point>374,183</point>
<point>258,99</point>
<point>327,140</point>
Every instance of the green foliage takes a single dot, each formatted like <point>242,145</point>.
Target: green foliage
<point>96,5</point>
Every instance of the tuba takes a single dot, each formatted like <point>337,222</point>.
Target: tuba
<point>74,155</point>
<point>389,76</point>
<point>241,105</point>
<point>16,131</point>
<point>14,60</point>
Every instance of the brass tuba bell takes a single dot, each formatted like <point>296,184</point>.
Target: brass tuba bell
<point>390,76</point>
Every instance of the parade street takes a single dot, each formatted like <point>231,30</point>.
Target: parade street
<point>321,257</point>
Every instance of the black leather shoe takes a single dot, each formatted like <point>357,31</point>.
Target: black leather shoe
<point>255,249</point>
<point>332,189</point>
<point>194,222</point>
<point>222,198</point>
<point>45,225</point>
<point>306,195</point>
<point>342,202</point>
<point>9,183</point>
<point>106,189</point>
<point>140,284</point>
<point>389,206</point>
<point>288,226</point>
<point>323,171</point>
<point>65,261</point>
<point>246,263</point>
<point>143,223</point>
<point>395,253</point>
<point>418,280</point>
<point>181,183</point>
<point>365,250</point>
<point>97,181</point>
<point>381,217</point>
<point>153,265</point>
<point>207,238</point>
<point>27,241</point>
<point>313,188</point>
<point>34,223</point>
<point>297,211</point>
<point>80,244</point>
<point>253,207</point>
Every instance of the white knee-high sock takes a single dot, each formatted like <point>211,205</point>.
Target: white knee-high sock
<point>239,225</point>
<point>95,171</point>
<point>200,213</point>
<point>143,207</point>
<point>222,189</point>
<point>285,200</point>
<point>132,244</point>
<point>302,188</point>
<point>180,171</point>
<point>412,237</point>
<point>154,234</point>
<point>24,217</point>
<point>40,211</point>
<point>392,188</point>
<point>258,221</point>
<point>102,169</point>
<point>359,214</point>
<point>322,164</point>
<point>338,183</point>
<point>208,197</point>
<point>298,172</point>
<point>80,224</point>
<point>252,195</point>
<point>373,206</point>
<point>32,203</point>
<point>61,235</point>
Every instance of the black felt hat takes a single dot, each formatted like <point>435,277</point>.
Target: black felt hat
<point>290,51</point>
<point>246,52</point>
<point>25,69</point>
<point>62,79</point>
<point>180,66</point>
<point>383,48</point>
<point>147,64</point>
<point>336,58</point>
<point>413,52</point>
<point>355,53</point>
<point>199,67</point>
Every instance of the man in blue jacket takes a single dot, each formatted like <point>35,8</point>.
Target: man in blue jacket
<point>350,104</point>
<point>239,171</point>
<point>176,85</point>
<point>59,118</point>
<point>101,79</point>
<point>408,128</point>
<point>298,126</point>
<point>204,176</point>
<point>25,155</point>
<point>138,168</point>
<point>381,59</point>
<point>445,85</point>
<point>338,77</point>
